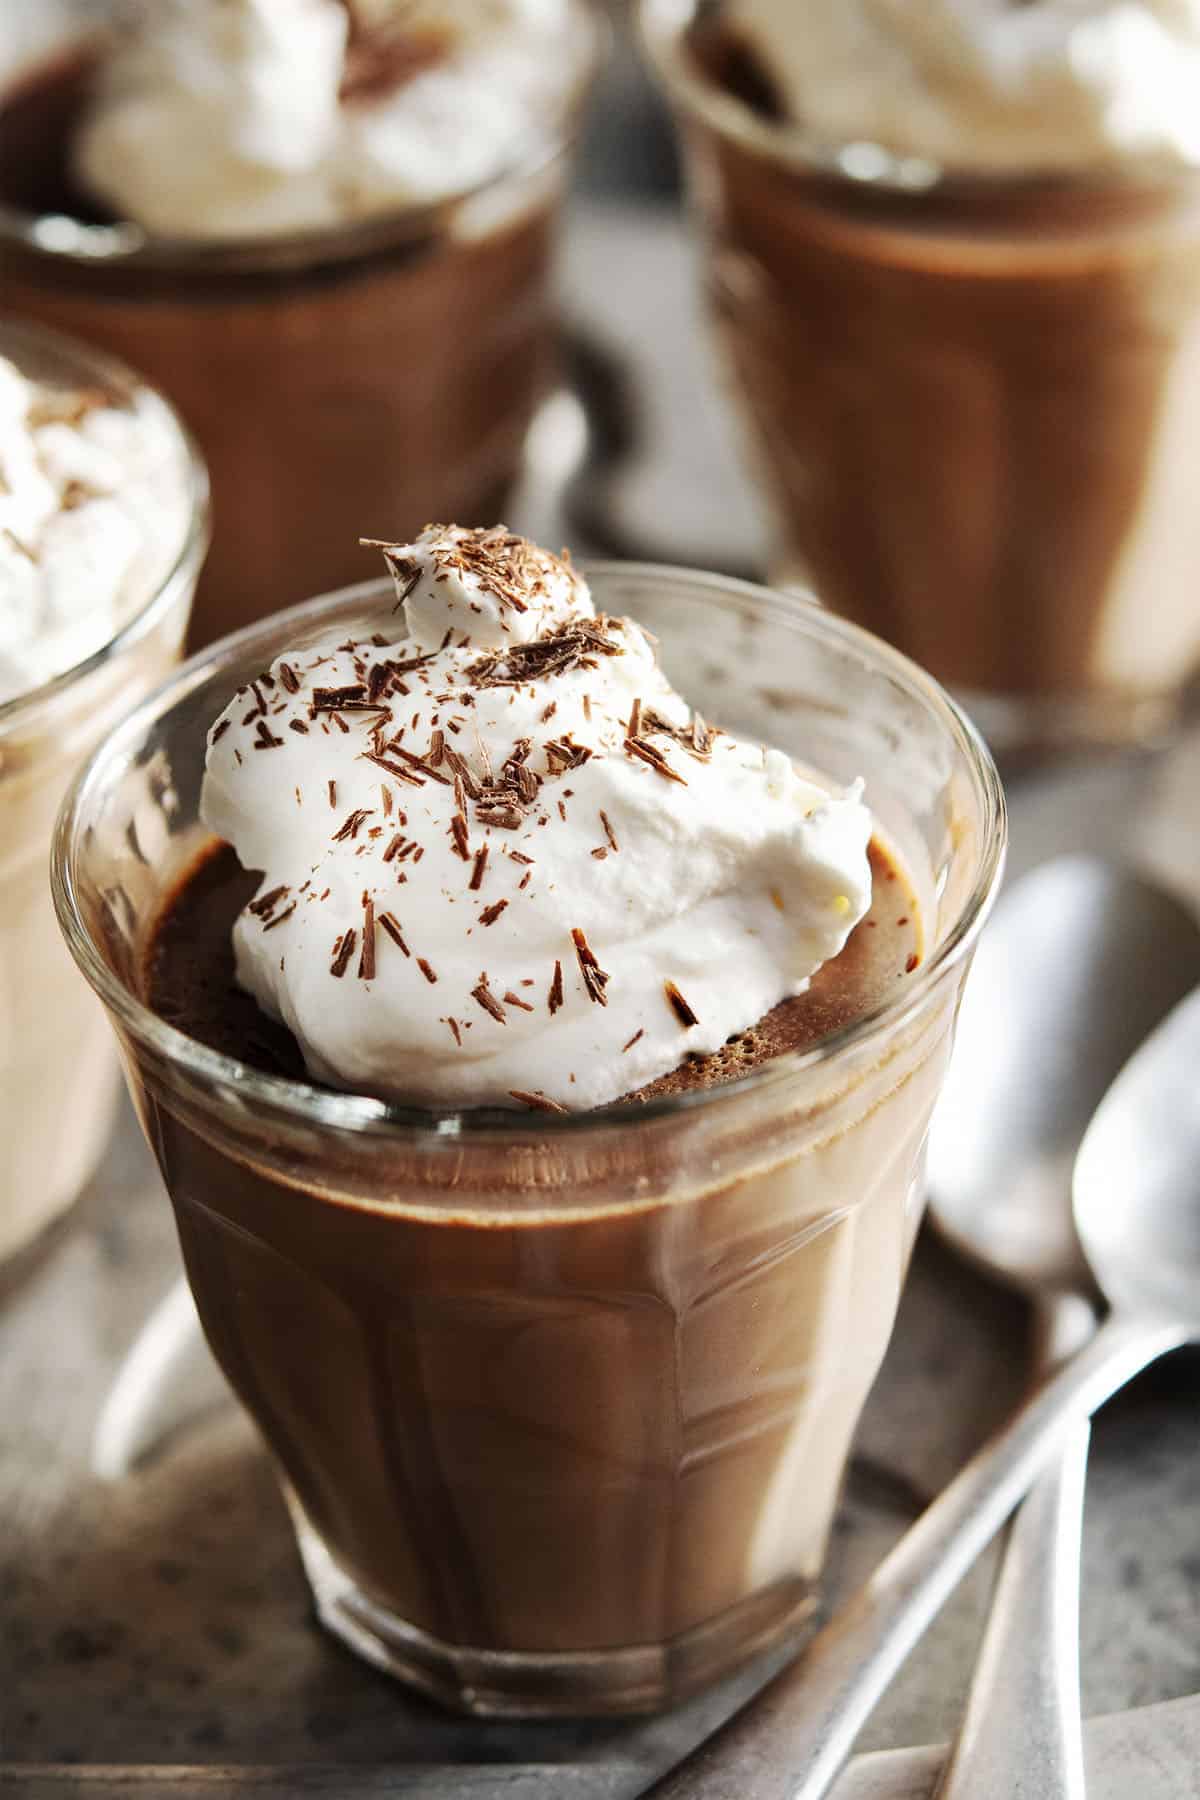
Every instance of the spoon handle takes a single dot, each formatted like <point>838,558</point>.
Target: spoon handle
<point>790,1742</point>
<point>1021,1730</point>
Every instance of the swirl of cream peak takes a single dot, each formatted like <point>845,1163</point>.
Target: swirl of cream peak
<point>503,862</point>
<point>262,117</point>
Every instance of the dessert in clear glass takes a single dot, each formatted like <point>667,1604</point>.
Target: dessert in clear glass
<point>103,524</point>
<point>954,258</point>
<point>326,231</point>
<point>540,1071</point>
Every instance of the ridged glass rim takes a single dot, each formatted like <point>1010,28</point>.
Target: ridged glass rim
<point>308,1104</point>
<point>97,365</point>
<point>127,247</point>
<point>861,163</point>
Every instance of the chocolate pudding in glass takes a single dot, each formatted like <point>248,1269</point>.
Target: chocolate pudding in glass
<point>540,1069</point>
<point>103,524</point>
<point>326,231</point>
<point>954,256</point>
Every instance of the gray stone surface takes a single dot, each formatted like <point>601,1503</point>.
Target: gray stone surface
<point>164,1620</point>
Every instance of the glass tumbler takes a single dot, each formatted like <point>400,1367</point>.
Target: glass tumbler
<point>57,1070</point>
<point>972,400</point>
<point>357,381</point>
<point>561,1404</point>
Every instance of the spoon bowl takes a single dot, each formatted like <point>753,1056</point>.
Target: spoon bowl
<point>1082,958</point>
<point>1144,1141</point>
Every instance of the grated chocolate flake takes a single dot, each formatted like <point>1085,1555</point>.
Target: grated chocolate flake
<point>460,836</point>
<point>427,970</point>
<point>391,767</point>
<point>350,824</point>
<point>481,859</point>
<point>575,645</point>
<point>482,994</point>
<point>650,754</point>
<point>639,1033</point>
<point>555,997</point>
<point>267,902</point>
<point>595,979</point>
<point>265,738</point>
<point>219,730</point>
<point>536,1100</point>
<point>289,678</point>
<point>609,833</point>
<point>366,962</point>
<point>491,913</point>
<point>298,725</point>
<point>391,925</point>
<point>453,1024</point>
<point>330,699</point>
<point>679,1005</point>
<point>343,950</point>
<point>333,793</point>
<point>512,999</point>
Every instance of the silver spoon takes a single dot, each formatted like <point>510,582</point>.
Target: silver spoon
<point>1081,960</point>
<point>1137,1211</point>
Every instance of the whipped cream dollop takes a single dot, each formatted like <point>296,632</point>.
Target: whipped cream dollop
<point>502,860</point>
<point>92,514</point>
<point>259,117</point>
<point>1002,85</point>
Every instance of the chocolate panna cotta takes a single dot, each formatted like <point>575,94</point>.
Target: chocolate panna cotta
<point>546,1396</point>
<point>967,329</point>
<point>351,206</point>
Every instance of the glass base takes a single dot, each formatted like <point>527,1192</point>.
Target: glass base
<point>526,1685</point>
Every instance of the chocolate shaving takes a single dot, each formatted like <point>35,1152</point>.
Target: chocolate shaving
<point>635,720</point>
<point>366,962</point>
<point>289,678</point>
<point>419,762</point>
<point>460,834</point>
<point>538,1101</point>
<point>574,645</point>
<point>392,927</point>
<point>265,738</point>
<point>485,998</point>
<point>349,826</point>
<point>516,1000</point>
<point>491,913</point>
<point>609,833</point>
<point>564,753</point>
<point>426,970</point>
<point>555,997</point>
<point>329,699</point>
<point>298,725</point>
<point>640,1033</point>
<point>648,753</point>
<point>504,814</point>
<point>481,857</point>
<point>391,767</point>
<point>393,847</point>
<point>679,1005</point>
<point>219,730</point>
<point>595,979</point>
<point>343,950</point>
<point>333,793</point>
<point>266,902</point>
